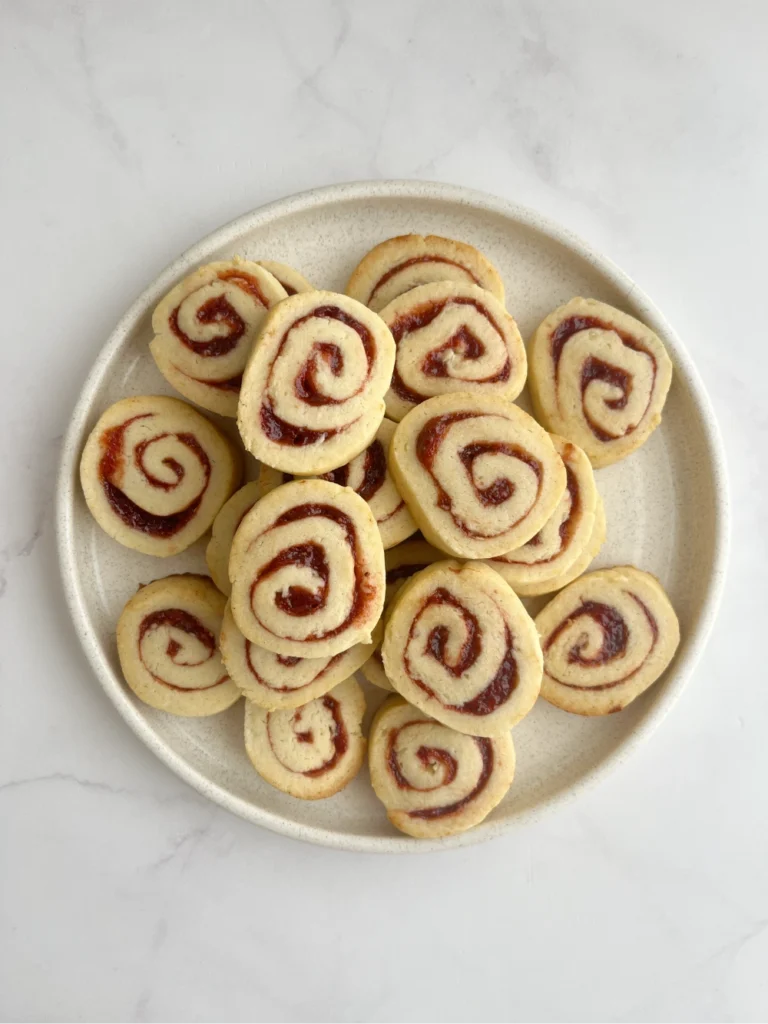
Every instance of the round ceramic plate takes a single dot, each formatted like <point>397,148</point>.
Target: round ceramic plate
<point>666,504</point>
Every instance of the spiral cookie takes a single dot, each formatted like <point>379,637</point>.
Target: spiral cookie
<point>205,328</point>
<point>402,263</point>
<point>279,681</point>
<point>480,476</point>
<point>598,377</point>
<point>313,390</point>
<point>606,638</point>
<point>167,644</point>
<point>307,570</point>
<point>452,337</point>
<point>291,280</point>
<point>535,567</point>
<point>226,522</point>
<point>155,473</point>
<point>433,780</point>
<point>401,563</point>
<point>459,645</point>
<point>313,751</point>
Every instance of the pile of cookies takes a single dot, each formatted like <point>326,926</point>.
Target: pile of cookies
<point>402,506</point>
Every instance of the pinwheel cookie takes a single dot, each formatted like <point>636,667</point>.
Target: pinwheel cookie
<point>452,337</point>
<point>307,571</point>
<point>313,389</point>
<point>459,645</point>
<point>606,638</point>
<point>205,328</point>
<point>599,378</point>
<point>167,641</point>
<point>313,751</point>
<point>155,472</point>
<point>480,476</point>
<point>433,780</point>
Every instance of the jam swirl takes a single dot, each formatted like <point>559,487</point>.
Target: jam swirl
<point>287,662</point>
<point>185,622</point>
<point>463,342</point>
<point>339,737</point>
<point>300,601</point>
<point>220,311</point>
<point>415,261</point>
<point>498,689</point>
<point>614,639</point>
<point>595,368</point>
<point>306,385</point>
<point>374,472</point>
<point>428,442</point>
<point>111,467</point>
<point>447,765</point>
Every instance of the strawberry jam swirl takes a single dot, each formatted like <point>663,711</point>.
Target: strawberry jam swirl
<point>445,768</point>
<point>374,472</point>
<point>594,368</point>
<point>498,689</point>
<point>463,343</point>
<point>307,388</point>
<point>614,640</point>
<point>287,662</point>
<point>301,601</point>
<point>434,434</point>
<point>184,622</point>
<point>220,311</point>
<point>302,734</point>
<point>415,261</point>
<point>112,465</point>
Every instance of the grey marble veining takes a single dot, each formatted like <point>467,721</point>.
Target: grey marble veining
<point>130,130</point>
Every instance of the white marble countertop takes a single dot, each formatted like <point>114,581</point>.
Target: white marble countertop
<point>129,130</point>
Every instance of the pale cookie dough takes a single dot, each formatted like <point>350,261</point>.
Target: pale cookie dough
<point>155,472</point>
<point>307,570</point>
<point>405,262</point>
<point>284,681</point>
<point>313,390</point>
<point>291,280</point>
<point>271,478</point>
<point>452,337</point>
<point>599,378</point>
<point>536,567</point>
<point>313,751</point>
<point>459,645</point>
<point>223,530</point>
<point>434,781</point>
<point>606,638</point>
<point>167,641</point>
<point>205,329</point>
<point>479,475</point>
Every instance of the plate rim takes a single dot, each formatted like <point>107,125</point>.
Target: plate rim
<point>68,477</point>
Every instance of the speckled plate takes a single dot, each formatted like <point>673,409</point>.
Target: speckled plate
<point>666,504</point>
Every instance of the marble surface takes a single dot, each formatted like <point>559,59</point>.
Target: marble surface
<point>131,129</point>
